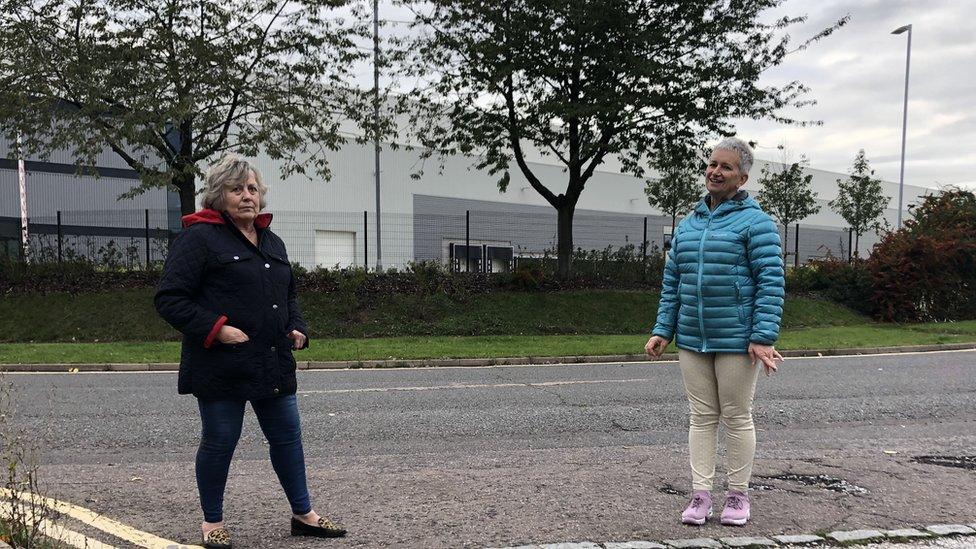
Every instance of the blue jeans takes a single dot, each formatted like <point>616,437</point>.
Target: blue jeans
<point>222,420</point>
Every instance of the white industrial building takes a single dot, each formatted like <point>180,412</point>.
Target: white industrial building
<point>324,224</point>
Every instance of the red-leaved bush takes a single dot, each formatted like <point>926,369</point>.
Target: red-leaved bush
<point>927,270</point>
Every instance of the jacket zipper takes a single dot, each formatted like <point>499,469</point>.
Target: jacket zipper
<point>701,268</point>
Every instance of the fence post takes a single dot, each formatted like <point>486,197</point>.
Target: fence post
<point>147,239</point>
<point>59,237</point>
<point>796,247</point>
<point>365,240</point>
<point>467,241</point>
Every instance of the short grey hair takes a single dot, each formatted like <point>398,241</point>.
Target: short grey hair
<point>739,147</point>
<point>231,170</point>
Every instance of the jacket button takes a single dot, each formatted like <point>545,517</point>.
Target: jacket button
<point>274,348</point>
<point>276,390</point>
<point>275,306</point>
<point>236,257</point>
<point>267,265</point>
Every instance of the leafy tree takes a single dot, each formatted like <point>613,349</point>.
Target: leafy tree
<point>167,85</point>
<point>679,186</point>
<point>860,200</point>
<point>584,81</point>
<point>786,195</point>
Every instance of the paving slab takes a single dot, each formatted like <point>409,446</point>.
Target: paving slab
<point>951,530</point>
<point>855,536</point>
<point>695,543</point>
<point>633,545</point>
<point>580,545</point>
<point>906,533</point>
<point>745,541</point>
<point>799,539</point>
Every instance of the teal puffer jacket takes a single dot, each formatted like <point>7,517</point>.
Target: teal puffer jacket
<point>723,281</point>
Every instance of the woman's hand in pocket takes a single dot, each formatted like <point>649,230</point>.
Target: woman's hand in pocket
<point>229,335</point>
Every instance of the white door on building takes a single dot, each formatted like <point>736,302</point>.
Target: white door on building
<point>334,248</point>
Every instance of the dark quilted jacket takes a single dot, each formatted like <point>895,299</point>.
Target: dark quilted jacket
<point>215,276</point>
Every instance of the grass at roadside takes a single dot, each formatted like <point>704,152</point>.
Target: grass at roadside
<point>417,347</point>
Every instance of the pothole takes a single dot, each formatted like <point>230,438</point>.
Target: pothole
<point>823,481</point>
<point>961,462</point>
<point>669,489</point>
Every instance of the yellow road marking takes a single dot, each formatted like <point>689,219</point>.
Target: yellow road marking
<point>54,531</point>
<point>105,524</point>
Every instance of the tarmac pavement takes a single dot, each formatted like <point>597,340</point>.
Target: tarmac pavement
<point>506,456</point>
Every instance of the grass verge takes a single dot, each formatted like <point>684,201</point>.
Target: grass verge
<point>128,315</point>
<point>419,347</point>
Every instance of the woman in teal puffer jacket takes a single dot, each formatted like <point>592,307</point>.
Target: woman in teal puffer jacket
<point>722,300</point>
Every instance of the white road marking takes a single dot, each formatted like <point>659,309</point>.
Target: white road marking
<point>470,386</point>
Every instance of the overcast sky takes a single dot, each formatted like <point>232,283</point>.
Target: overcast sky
<point>857,77</point>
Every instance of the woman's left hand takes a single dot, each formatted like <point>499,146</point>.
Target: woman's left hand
<point>765,354</point>
<point>297,338</point>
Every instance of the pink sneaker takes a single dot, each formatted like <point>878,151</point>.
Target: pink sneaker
<point>699,509</point>
<point>736,511</point>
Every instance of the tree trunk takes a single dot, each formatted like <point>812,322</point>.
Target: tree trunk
<point>564,242</point>
<point>857,237</point>
<point>184,181</point>
<point>786,242</point>
<point>185,178</point>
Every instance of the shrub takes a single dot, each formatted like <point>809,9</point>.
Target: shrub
<point>927,270</point>
<point>848,283</point>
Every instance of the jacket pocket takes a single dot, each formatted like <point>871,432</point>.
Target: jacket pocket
<point>738,301</point>
<point>241,362</point>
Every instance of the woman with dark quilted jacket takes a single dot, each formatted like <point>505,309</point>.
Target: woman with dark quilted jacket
<point>228,287</point>
<point>722,300</point>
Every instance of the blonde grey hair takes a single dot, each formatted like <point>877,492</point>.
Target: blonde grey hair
<point>231,170</point>
<point>739,147</point>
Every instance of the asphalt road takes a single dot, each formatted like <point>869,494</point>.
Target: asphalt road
<point>511,455</point>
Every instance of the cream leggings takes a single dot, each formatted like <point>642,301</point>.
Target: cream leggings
<point>720,386</point>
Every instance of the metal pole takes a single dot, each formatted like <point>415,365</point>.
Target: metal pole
<point>147,239</point>
<point>467,241</point>
<point>796,247</point>
<point>59,238</point>
<point>376,127</point>
<point>365,241</point>
<point>904,127</point>
<point>850,242</point>
<point>644,250</point>
<point>22,179</point>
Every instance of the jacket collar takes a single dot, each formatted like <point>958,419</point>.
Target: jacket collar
<point>213,217</point>
<point>738,201</point>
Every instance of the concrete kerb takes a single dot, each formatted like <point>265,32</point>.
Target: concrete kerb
<point>473,362</point>
<point>843,538</point>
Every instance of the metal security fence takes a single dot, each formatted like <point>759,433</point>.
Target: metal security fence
<point>489,241</point>
<point>111,239</point>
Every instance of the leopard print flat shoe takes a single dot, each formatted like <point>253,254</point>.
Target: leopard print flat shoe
<point>218,538</point>
<point>324,529</point>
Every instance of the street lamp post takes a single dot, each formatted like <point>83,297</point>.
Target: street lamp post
<point>376,129</point>
<point>904,118</point>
